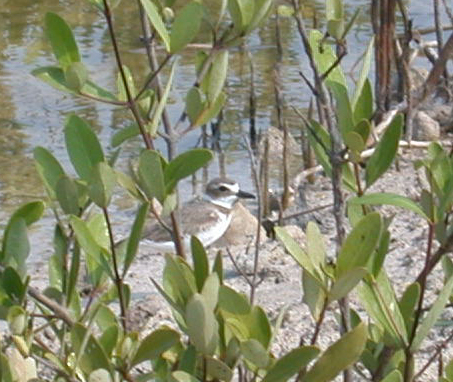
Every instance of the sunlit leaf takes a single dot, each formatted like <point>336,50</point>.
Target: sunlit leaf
<point>339,356</point>
<point>83,146</point>
<point>184,165</point>
<point>385,151</point>
<point>62,40</point>
<point>186,26</point>
<point>156,21</point>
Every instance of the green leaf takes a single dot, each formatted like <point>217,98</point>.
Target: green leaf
<point>62,40</point>
<point>325,58</point>
<point>217,75</point>
<point>254,351</point>
<point>296,251</point>
<point>125,134</point>
<point>186,26</point>
<point>339,356</point>
<point>16,246</point>
<point>363,128</point>
<point>343,108</point>
<point>184,165</point>
<point>315,246</point>
<point>122,94</point>
<point>393,376</point>
<point>363,108</point>
<point>157,115</point>
<point>201,325</point>
<point>449,370</point>
<point>217,267</point>
<point>188,360</point>
<point>363,78</point>
<point>291,363</point>
<point>210,290</point>
<point>156,22</point>
<point>30,212</point>
<point>182,376</point>
<point>100,187</point>
<point>314,294</point>
<point>408,303</point>
<point>55,77</point>
<point>354,141</point>
<point>67,195</point>
<point>154,344</point>
<point>259,326</point>
<point>380,198</point>
<point>346,282</point>
<point>211,110</point>
<point>135,236</point>
<point>83,146</point>
<point>194,104</point>
<point>151,175</point>
<point>95,258</point>
<point>48,168</point>
<point>200,262</point>
<point>385,151</point>
<point>433,315</point>
<point>76,76</point>
<point>360,244</point>
<point>262,10</point>
<point>378,298</point>
<point>241,12</point>
<point>233,302</point>
<point>12,284</point>
<point>74,269</point>
<point>90,353</point>
<point>218,370</point>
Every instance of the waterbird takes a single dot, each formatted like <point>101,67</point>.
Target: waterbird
<point>207,217</point>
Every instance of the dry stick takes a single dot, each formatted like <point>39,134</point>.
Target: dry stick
<point>57,309</point>
<point>254,167</point>
<point>130,100</point>
<point>170,135</point>
<point>437,353</point>
<point>408,353</point>
<point>438,26</point>
<point>335,155</point>
<point>118,278</point>
<point>264,170</point>
<point>252,103</point>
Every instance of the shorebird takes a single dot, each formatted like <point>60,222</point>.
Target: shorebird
<point>207,217</point>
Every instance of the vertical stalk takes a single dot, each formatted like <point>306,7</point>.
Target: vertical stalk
<point>130,100</point>
<point>118,278</point>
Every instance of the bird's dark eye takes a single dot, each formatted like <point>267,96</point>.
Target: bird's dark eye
<point>223,188</point>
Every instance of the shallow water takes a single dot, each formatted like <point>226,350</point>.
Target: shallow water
<point>32,113</point>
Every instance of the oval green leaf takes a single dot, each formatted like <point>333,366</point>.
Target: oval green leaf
<point>184,165</point>
<point>291,363</point>
<point>385,151</point>
<point>186,26</point>
<point>154,344</point>
<point>339,356</point>
<point>83,146</point>
<point>156,21</point>
<point>358,247</point>
<point>62,40</point>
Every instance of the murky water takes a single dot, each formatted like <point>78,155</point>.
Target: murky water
<point>32,113</point>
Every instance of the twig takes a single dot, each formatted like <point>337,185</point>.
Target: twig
<point>130,100</point>
<point>118,278</point>
<point>254,167</point>
<point>438,351</point>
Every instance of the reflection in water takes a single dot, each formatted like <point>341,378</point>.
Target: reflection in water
<point>40,111</point>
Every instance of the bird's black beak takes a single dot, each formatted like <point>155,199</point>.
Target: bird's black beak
<point>245,195</point>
